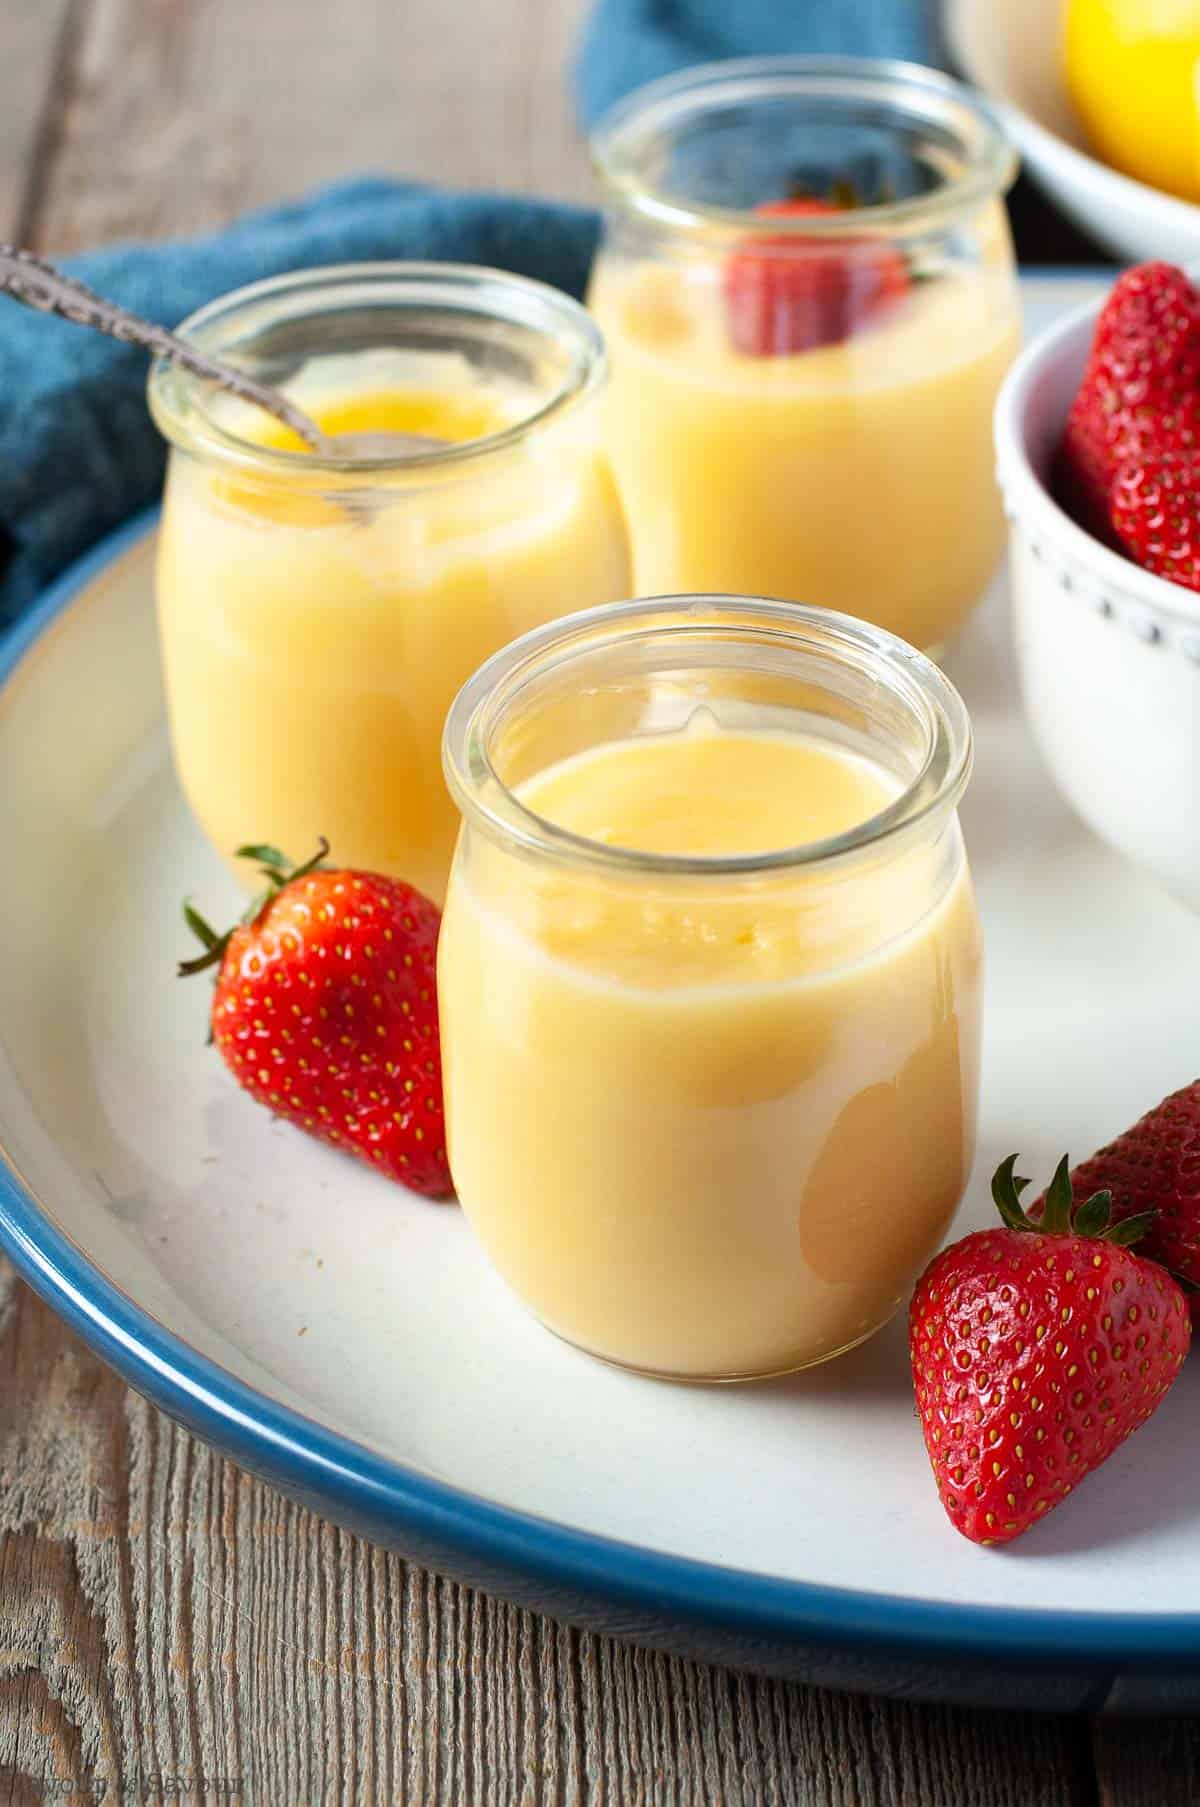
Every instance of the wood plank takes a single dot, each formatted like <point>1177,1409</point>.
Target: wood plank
<point>162,1616</point>
<point>1147,1762</point>
<point>32,39</point>
<point>172,118</point>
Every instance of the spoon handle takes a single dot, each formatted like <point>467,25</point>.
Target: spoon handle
<point>39,285</point>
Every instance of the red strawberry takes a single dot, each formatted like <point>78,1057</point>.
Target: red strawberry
<point>325,1010</point>
<point>1154,507</point>
<point>1036,1350</point>
<point>1140,388</point>
<point>785,294</point>
<point>1155,1166</point>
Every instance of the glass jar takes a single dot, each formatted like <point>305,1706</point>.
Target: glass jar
<point>808,293</point>
<point>709,1113</point>
<point>318,615</point>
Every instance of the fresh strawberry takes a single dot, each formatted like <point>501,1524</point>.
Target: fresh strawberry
<point>1140,389</point>
<point>1036,1349</point>
<point>786,294</point>
<point>1154,507</point>
<point>1155,1167</point>
<point>325,1010</point>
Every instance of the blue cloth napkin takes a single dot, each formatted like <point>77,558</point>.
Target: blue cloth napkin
<point>628,42</point>
<point>78,450</point>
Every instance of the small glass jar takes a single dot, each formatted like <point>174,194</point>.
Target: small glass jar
<point>709,1115</point>
<point>808,293</point>
<point>317,615</point>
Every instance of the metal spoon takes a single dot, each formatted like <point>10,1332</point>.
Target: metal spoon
<point>39,285</point>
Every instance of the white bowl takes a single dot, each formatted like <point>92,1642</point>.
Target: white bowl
<point>1108,654</point>
<point>1012,49</point>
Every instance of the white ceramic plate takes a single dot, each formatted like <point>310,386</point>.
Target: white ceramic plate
<point>1011,49</point>
<point>350,1342</point>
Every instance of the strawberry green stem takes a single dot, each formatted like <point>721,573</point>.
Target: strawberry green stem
<point>1060,1215</point>
<point>214,944</point>
<point>278,871</point>
<point>276,868</point>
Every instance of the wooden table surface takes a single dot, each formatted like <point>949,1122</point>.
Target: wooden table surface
<point>171,1630</point>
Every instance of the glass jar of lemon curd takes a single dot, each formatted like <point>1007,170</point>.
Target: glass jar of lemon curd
<point>709,978</point>
<point>318,615</point>
<point>809,297</point>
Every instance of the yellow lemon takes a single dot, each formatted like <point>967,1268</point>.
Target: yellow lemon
<point>1132,69</point>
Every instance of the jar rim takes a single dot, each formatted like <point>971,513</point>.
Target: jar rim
<point>177,398</point>
<point>633,124</point>
<point>486,801</point>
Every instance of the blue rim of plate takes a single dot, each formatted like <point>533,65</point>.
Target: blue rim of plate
<point>360,1485</point>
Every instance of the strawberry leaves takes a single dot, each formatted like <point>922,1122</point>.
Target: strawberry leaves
<point>278,871</point>
<point>214,945</point>
<point>1056,1214</point>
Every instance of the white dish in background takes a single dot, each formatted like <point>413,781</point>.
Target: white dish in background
<point>1108,654</point>
<point>350,1342</point>
<point>1012,50</point>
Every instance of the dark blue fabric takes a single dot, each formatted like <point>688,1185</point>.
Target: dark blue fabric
<point>628,42</point>
<point>78,450</point>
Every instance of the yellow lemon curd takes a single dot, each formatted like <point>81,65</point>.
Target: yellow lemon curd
<point>313,639</point>
<point>710,1128</point>
<point>830,475</point>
